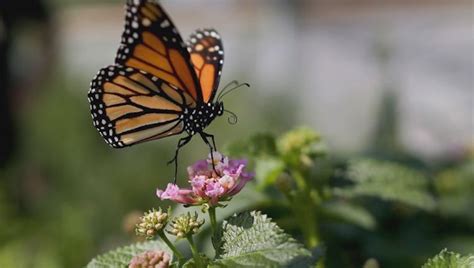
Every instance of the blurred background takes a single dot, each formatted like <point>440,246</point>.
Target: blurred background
<point>392,76</point>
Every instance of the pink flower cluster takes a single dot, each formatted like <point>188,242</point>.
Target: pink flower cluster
<point>209,185</point>
<point>156,259</point>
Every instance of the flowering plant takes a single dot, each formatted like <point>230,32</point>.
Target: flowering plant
<point>248,237</point>
<point>211,182</point>
<point>308,193</point>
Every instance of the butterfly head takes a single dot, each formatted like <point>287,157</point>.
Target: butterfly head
<point>219,108</point>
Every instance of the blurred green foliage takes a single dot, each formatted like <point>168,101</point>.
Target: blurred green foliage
<point>385,205</point>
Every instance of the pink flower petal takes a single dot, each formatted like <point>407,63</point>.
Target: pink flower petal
<point>214,189</point>
<point>198,184</point>
<point>199,167</point>
<point>174,193</point>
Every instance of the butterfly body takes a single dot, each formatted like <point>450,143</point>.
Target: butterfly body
<point>197,119</point>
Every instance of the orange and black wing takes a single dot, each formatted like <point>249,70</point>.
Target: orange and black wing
<point>207,56</point>
<point>129,106</point>
<point>151,43</point>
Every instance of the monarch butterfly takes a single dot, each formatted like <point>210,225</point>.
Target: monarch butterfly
<point>159,86</point>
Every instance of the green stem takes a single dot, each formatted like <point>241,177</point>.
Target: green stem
<point>212,217</point>
<point>305,209</point>
<point>300,181</point>
<point>312,239</point>
<point>171,246</point>
<point>308,221</point>
<point>196,257</point>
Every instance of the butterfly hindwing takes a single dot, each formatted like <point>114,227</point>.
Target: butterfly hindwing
<point>151,42</point>
<point>129,106</point>
<point>207,55</point>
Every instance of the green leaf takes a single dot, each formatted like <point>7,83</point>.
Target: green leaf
<point>304,261</point>
<point>267,170</point>
<point>388,181</point>
<point>448,259</point>
<point>191,264</point>
<point>250,239</point>
<point>350,213</point>
<point>454,191</point>
<point>122,256</point>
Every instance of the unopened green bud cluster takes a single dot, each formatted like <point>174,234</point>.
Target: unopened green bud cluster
<point>300,146</point>
<point>185,225</point>
<point>151,223</point>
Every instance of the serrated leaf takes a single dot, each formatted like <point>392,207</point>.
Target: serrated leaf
<point>251,239</point>
<point>388,181</point>
<point>122,256</point>
<point>448,259</point>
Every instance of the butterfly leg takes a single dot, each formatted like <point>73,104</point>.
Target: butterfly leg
<point>181,143</point>
<point>212,147</point>
<point>212,139</point>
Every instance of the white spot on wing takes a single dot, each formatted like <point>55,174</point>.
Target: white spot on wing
<point>146,22</point>
<point>165,24</point>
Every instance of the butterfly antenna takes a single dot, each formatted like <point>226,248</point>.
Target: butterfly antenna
<point>232,119</point>
<point>234,82</point>
<point>223,93</point>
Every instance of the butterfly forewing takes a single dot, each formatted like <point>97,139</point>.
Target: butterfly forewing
<point>129,106</point>
<point>151,42</point>
<point>207,56</point>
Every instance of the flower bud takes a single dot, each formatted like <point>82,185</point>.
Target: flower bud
<point>284,183</point>
<point>185,224</point>
<point>205,207</point>
<point>158,258</point>
<point>300,146</point>
<point>151,223</point>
